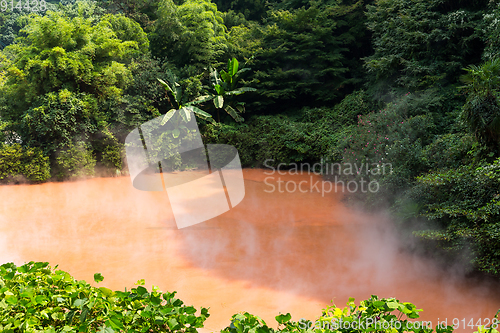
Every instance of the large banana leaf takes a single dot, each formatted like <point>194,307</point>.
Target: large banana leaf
<point>219,89</point>
<point>167,87</point>
<point>201,99</point>
<point>185,114</point>
<point>178,93</point>
<point>232,66</point>
<point>214,75</point>
<point>240,91</point>
<point>168,116</point>
<point>200,112</point>
<point>219,102</point>
<point>233,113</point>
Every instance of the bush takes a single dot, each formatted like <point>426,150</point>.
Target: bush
<point>38,298</point>
<point>76,161</point>
<point>449,151</point>
<point>18,163</point>
<point>387,145</point>
<point>343,113</point>
<point>275,139</point>
<point>280,139</point>
<point>385,315</point>
<point>463,206</point>
<point>112,156</point>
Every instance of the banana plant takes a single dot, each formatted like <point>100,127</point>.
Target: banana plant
<point>224,85</point>
<point>180,112</point>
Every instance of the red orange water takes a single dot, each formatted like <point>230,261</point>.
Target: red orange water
<point>274,252</point>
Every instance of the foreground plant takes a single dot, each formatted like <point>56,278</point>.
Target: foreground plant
<point>37,298</point>
<point>387,315</point>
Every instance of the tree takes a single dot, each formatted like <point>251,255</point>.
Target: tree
<point>59,73</point>
<point>492,32</point>
<point>141,11</point>
<point>421,43</point>
<point>190,34</point>
<point>251,9</point>
<point>481,111</point>
<point>299,55</point>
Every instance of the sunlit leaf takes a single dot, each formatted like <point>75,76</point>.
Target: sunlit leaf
<point>219,102</point>
<point>168,116</point>
<point>233,113</point>
<point>98,277</point>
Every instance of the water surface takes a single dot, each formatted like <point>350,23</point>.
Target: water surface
<point>275,252</point>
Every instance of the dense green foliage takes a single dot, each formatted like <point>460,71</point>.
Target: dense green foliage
<point>423,43</point>
<point>374,314</point>
<point>19,164</point>
<point>37,298</point>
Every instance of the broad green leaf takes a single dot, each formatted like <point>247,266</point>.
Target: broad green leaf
<point>172,323</point>
<point>106,329</point>
<point>215,77</point>
<point>233,113</point>
<point>80,302</point>
<point>403,309</point>
<point>282,318</point>
<point>98,277</point>
<point>243,70</point>
<point>219,102</point>
<point>106,292</point>
<point>58,316</point>
<point>226,77</point>
<point>167,87</point>
<point>185,114</point>
<point>176,133</point>
<point>200,112</point>
<point>201,99</point>
<point>11,299</point>
<point>115,323</point>
<point>41,299</point>
<point>392,305</point>
<point>83,314</point>
<point>167,116</point>
<point>140,289</point>
<point>240,91</point>
<point>232,66</point>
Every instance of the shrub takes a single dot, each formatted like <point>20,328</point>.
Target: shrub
<point>387,145</point>
<point>18,163</point>
<point>112,156</point>
<point>343,113</point>
<point>76,161</point>
<point>463,206</point>
<point>449,151</point>
<point>38,298</point>
<point>275,139</point>
<point>385,315</point>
